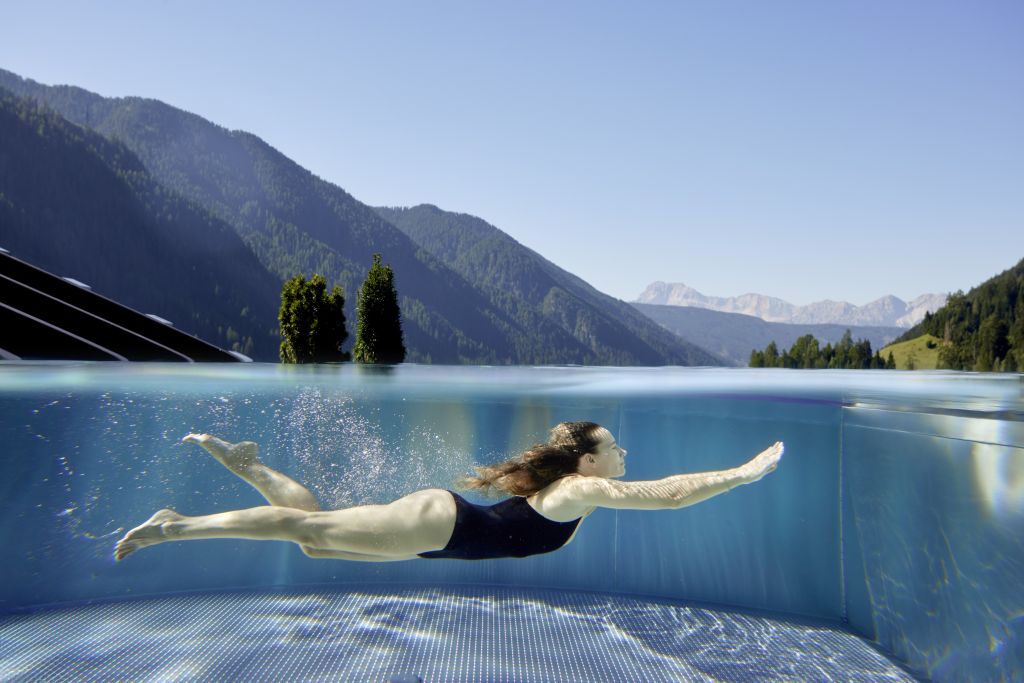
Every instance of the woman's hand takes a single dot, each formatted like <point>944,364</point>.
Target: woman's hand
<point>764,462</point>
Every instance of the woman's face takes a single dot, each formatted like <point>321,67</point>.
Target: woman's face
<point>609,458</point>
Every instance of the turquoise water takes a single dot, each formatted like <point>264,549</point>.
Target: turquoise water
<point>897,512</point>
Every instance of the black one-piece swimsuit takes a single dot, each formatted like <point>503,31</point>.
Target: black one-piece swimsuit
<point>510,528</point>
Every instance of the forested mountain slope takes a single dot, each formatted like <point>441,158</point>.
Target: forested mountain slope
<point>297,223</point>
<point>293,221</point>
<point>562,310</point>
<point>983,329</point>
<point>77,204</point>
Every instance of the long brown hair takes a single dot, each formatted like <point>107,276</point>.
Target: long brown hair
<point>540,464</point>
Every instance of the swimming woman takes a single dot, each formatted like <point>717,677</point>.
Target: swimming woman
<point>553,487</point>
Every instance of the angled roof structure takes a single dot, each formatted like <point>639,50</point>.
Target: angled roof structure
<point>46,317</point>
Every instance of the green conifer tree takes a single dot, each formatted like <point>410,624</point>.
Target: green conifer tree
<point>805,351</point>
<point>312,321</point>
<point>992,343</point>
<point>378,318</point>
<point>1015,336</point>
<point>841,357</point>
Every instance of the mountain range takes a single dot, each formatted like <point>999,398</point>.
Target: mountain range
<point>888,311</point>
<point>493,302</point>
<point>734,335</point>
<point>171,214</point>
<point>541,296</point>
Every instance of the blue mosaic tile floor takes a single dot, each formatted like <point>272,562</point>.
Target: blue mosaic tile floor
<point>450,634</point>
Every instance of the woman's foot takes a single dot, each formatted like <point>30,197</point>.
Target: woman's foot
<point>237,457</point>
<point>148,533</point>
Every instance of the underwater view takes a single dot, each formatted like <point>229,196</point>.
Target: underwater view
<point>886,545</point>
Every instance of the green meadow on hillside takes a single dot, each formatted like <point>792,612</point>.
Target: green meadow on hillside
<point>916,350</point>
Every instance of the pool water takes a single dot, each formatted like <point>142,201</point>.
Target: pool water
<point>887,546</point>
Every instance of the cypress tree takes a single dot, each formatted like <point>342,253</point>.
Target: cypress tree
<point>312,321</point>
<point>378,318</point>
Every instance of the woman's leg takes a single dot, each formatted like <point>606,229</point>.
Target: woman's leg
<point>354,557</point>
<point>416,523</point>
<point>243,460</point>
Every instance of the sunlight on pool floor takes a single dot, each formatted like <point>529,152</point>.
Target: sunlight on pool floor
<point>451,634</point>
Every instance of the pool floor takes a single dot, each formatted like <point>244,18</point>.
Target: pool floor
<point>409,634</point>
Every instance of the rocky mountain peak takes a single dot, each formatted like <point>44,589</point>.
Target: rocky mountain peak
<point>888,310</point>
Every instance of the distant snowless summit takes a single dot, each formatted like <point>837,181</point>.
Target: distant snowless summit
<point>889,311</point>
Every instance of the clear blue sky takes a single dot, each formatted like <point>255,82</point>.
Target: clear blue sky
<point>806,150</point>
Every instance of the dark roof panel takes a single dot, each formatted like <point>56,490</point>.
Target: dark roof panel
<point>43,316</point>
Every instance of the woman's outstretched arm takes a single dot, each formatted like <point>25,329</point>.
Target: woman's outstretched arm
<point>677,491</point>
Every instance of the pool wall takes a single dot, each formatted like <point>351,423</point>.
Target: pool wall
<point>898,508</point>
<point>934,539</point>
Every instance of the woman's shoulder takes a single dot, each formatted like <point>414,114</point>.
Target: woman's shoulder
<point>559,501</point>
<point>563,486</point>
